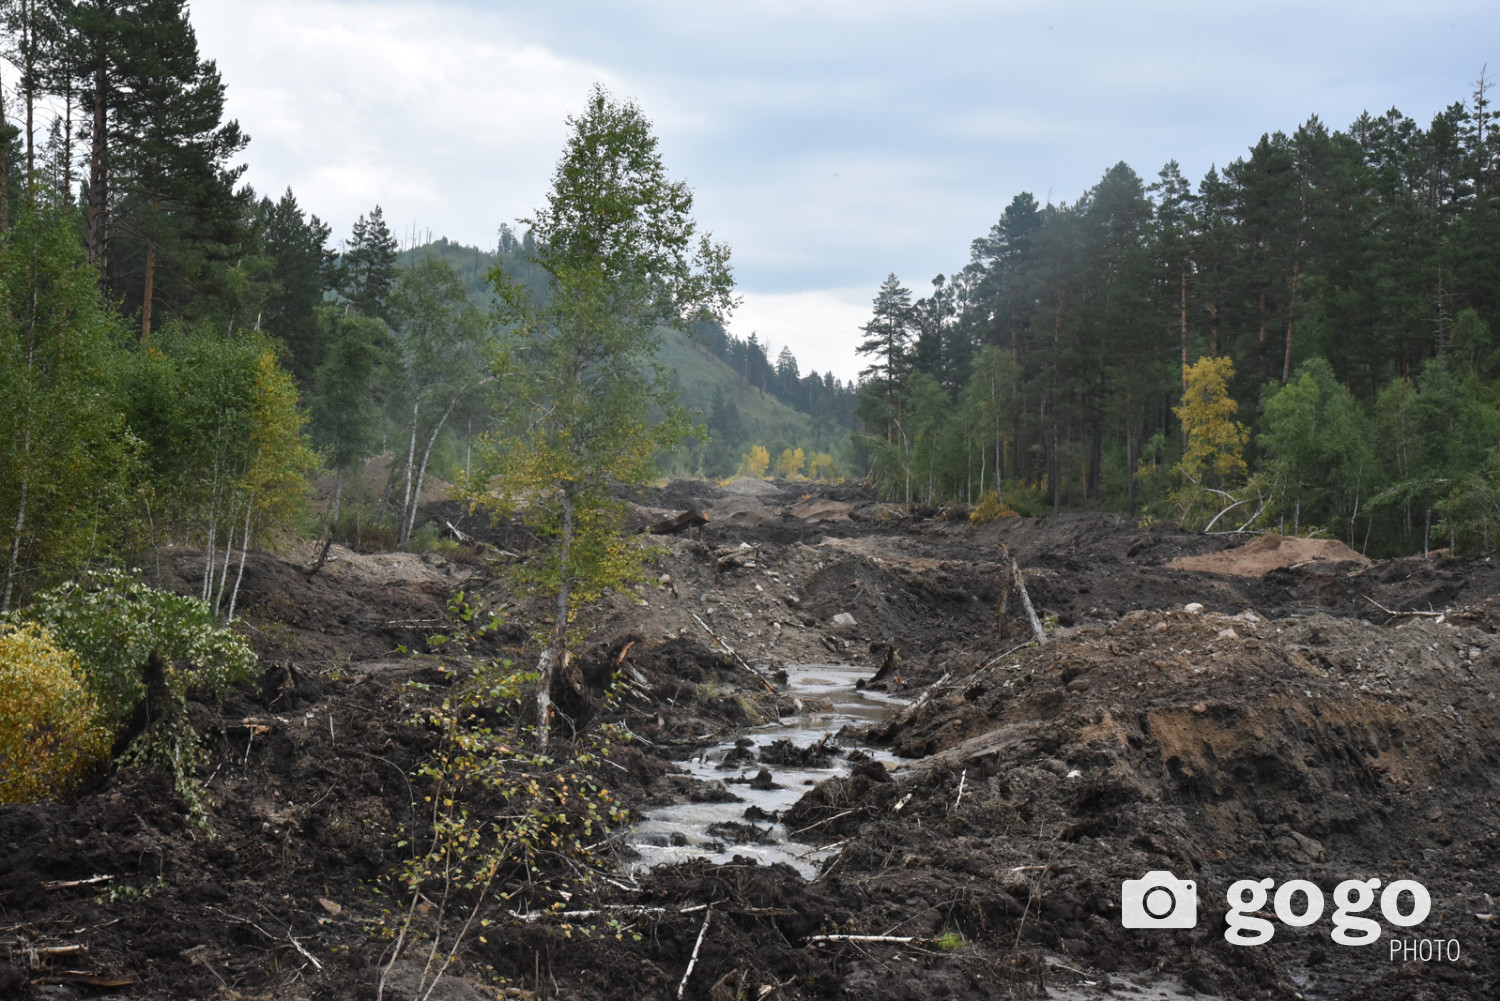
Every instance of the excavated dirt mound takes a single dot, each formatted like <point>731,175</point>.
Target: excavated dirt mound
<point>1216,748</point>
<point>1270,552</point>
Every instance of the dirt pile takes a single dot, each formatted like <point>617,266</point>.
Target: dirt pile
<point>1270,552</point>
<point>1217,748</point>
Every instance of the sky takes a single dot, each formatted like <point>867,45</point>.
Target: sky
<point>828,142</point>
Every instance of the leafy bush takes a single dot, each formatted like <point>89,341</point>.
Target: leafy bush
<point>989,508</point>
<point>114,623</point>
<point>50,734</point>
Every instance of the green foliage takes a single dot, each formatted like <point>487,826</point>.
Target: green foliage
<point>502,826</point>
<point>587,405</point>
<point>51,735</point>
<point>1318,449</point>
<point>68,457</point>
<point>1436,435</point>
<point>344,412</point>
<point>223,439</point>
<point>441,341</point>
<point>366,273</point>
<point>295,248</point>
<point>114,623</point>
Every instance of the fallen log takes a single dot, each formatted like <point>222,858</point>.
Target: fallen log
<point>684,521</point>
<point>1036,623</point>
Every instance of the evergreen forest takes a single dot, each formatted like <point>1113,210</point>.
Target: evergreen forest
<point>1301,341</point>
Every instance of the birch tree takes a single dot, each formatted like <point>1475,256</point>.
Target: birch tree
<point>585,405</point>
<point>440,337</point>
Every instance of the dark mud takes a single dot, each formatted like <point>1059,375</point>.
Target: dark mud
<point>1305,725</point>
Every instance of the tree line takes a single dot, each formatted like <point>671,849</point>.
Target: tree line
<point>185,353</point>
<point>1348,277</point>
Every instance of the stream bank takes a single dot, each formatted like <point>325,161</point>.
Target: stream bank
<point>747,784</point>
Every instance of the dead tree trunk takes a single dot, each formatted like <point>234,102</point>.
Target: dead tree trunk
<point>1002,606</point>
<point>1036,623</point>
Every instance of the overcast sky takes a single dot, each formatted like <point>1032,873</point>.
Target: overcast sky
<point>828,142</point>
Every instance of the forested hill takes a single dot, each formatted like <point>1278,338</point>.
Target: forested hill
<point>736,391</point>
<point>1345,281</point>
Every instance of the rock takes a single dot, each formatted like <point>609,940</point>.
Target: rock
<point>1193,608</point>
<point>1200,708</point>
<point>1227,633</point>
<point>1299,847</point>
<point>818,509</point>
<point>843,620</point>
<point>1078,685</point>
<point>763,780</point>
<point>406,982</point>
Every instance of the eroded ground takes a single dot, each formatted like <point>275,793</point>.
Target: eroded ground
<point>1300,724</point>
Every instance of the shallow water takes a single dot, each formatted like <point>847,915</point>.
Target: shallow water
<point>808,681</point>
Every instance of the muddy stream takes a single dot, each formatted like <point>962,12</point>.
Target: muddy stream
<point>751,825</point>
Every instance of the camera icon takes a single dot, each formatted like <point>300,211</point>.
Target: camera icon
<point>1158,900</point>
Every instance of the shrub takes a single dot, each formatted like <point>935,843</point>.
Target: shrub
<point>114,622</point>
<point>50,733</point>
<point>989,508</point>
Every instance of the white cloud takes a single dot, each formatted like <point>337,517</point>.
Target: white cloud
<point>829,141</point>
<point>821,326</point>
<point>441,115</point>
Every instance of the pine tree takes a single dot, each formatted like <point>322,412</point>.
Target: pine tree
<point>888,335</point>
<point>367,270</point>
<point>300,273</point>
<point>164,216</point>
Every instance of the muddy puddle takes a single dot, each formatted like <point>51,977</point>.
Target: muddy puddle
<point>751,827</point>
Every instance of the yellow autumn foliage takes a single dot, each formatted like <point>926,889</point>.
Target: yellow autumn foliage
<point>755,462</point>
<point>789,464</point>
<point>50,730</point>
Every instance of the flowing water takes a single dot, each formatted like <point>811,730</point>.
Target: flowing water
<point>687,823</point>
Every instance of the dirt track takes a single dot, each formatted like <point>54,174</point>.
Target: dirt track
<point>1299,726</point>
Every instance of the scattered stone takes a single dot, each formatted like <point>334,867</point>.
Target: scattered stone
<point>763,780</point>
<point>1193,608</point>
<point>1078,685</point>
<point>843,620</point>
<point>1200,708</point>
<point>1299,847</point>
<point>736,833</point>
<point>788,755</point>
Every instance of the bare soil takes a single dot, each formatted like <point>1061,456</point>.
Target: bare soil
<point>1319,719</point>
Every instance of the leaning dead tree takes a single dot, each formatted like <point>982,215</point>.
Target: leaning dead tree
<point>1011,579</point>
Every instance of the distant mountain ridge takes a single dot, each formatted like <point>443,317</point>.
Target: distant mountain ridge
<point>750,402</point>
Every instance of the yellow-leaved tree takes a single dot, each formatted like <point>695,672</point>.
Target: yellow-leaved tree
<point>790,463</point>
<point>754,462</point>
<point>1213,462</point>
